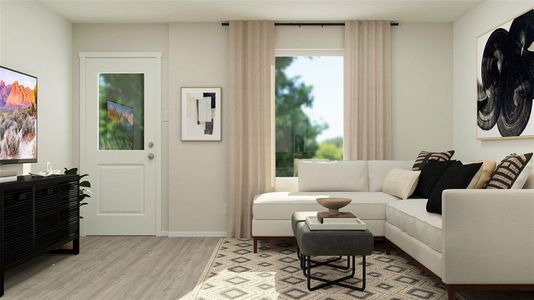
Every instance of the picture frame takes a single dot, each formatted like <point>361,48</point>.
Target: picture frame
<point>504,106</point>
<point>201,114</point>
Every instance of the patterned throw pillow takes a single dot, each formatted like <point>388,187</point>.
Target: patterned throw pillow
<point>508,171</point>
<point>425,156</point>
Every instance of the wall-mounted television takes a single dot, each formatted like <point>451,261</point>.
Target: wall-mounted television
<point>18,117</point>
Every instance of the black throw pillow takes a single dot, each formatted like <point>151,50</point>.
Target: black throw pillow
<point>430,175</point>
<point>457,176</point>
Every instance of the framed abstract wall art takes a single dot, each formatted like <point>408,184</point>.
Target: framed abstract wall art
<point>505,80</point>
<point>201,114</point>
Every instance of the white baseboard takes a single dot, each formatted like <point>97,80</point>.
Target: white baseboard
<point>193,233</point>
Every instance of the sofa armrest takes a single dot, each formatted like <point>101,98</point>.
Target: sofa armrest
<point>488,236</point>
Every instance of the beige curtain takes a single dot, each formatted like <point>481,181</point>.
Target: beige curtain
<point>367,107</point>
<point>251,158</point>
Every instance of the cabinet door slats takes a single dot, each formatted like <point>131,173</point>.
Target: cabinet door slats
<point>37,216</point>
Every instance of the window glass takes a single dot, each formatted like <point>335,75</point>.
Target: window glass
<point>308,110</point>
<point>121,111</point>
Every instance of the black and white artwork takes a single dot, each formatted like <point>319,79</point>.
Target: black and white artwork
<point>201,114</point>
<point>505,80</point>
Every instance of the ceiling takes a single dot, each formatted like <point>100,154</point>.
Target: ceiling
<point>156,11</point>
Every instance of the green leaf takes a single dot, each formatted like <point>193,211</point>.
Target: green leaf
<point>85,184</point>
<point>83,203</point>
<point>83,196</point>
<point>72,171</point>
<point>82,176</point>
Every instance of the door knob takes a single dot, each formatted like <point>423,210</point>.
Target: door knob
<point>150,155</point>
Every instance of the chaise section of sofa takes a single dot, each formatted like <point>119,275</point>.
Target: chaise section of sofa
<point>270,210</point>
<point>360,181</point>
<point>483,240</point>
<point>416,232</point>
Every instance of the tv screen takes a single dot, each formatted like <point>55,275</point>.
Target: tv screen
<point>18,117</point>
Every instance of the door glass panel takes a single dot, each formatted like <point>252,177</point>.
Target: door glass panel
<point>121,111</point>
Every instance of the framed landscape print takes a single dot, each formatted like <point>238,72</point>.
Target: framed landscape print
<point>201,114</point>
<point>505,80</point>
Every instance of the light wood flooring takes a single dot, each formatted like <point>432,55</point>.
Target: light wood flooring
<point>114,267</point>
<point>131,267</point>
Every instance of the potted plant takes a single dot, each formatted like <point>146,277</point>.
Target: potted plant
<point>84,185</point>
<point>85,192</point>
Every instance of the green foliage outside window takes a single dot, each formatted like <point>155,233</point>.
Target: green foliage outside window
<point>296,134</point>
<point>331,149</point>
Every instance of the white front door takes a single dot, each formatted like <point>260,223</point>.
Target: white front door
<point>119,139</point>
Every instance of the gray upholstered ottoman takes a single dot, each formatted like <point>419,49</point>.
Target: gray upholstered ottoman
<point>349,243</point>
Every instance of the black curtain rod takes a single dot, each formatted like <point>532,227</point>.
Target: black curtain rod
<point>309,24</point>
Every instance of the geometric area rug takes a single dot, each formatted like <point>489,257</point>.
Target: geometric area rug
<point>235,272</point>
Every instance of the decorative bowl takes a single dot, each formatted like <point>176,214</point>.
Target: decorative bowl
<point>333,204</point>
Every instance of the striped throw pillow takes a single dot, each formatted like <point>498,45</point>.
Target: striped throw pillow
<point>508,171</point>
<point>425,156</point>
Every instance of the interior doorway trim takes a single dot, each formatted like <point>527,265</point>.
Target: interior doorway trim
<point>157,55</point>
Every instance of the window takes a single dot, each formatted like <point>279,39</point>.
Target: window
<point>308,110</point>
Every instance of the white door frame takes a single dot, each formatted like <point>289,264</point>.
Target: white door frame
<point>157,106</point>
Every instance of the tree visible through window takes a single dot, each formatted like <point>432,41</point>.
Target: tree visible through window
<point>309,110</point>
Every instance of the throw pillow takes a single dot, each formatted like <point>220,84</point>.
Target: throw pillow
<point>430,175</point>
<point>426,156</point>
<point>400,183</point>
<point>509,171</point>
<point>483,175</point>
<point>457,176</point>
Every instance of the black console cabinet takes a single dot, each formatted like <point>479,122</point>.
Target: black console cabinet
<point>37,215</point>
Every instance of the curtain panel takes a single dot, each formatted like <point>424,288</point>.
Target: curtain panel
<point>367,95</point>
<point>251,157</point>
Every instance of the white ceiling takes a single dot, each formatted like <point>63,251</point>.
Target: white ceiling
<point>150,11</point>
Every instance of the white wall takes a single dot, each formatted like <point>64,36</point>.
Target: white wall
<point>198,184</point>
<point>477,21</point>
<point>421,88</point>
<point>310,37</point>
<point>37,41</point>
<point>124,37</point>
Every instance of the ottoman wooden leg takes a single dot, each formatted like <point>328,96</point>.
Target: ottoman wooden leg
<point>339,281</point>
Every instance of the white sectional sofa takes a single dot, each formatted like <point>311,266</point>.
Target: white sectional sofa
<point>485,238</point>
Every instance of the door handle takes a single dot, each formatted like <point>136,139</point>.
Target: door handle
<point>150,155</point>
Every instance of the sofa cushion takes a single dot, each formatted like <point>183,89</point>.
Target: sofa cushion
<point>509,171</point>
<point>411,217</point>
<point>426,156</point>
<point>378,169</point>
<point>457,176</point>
<point>483,175</point>
<point>401,183</point>
<point>280,205</point>
<point>429,176</point>
<point>323,176</point>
